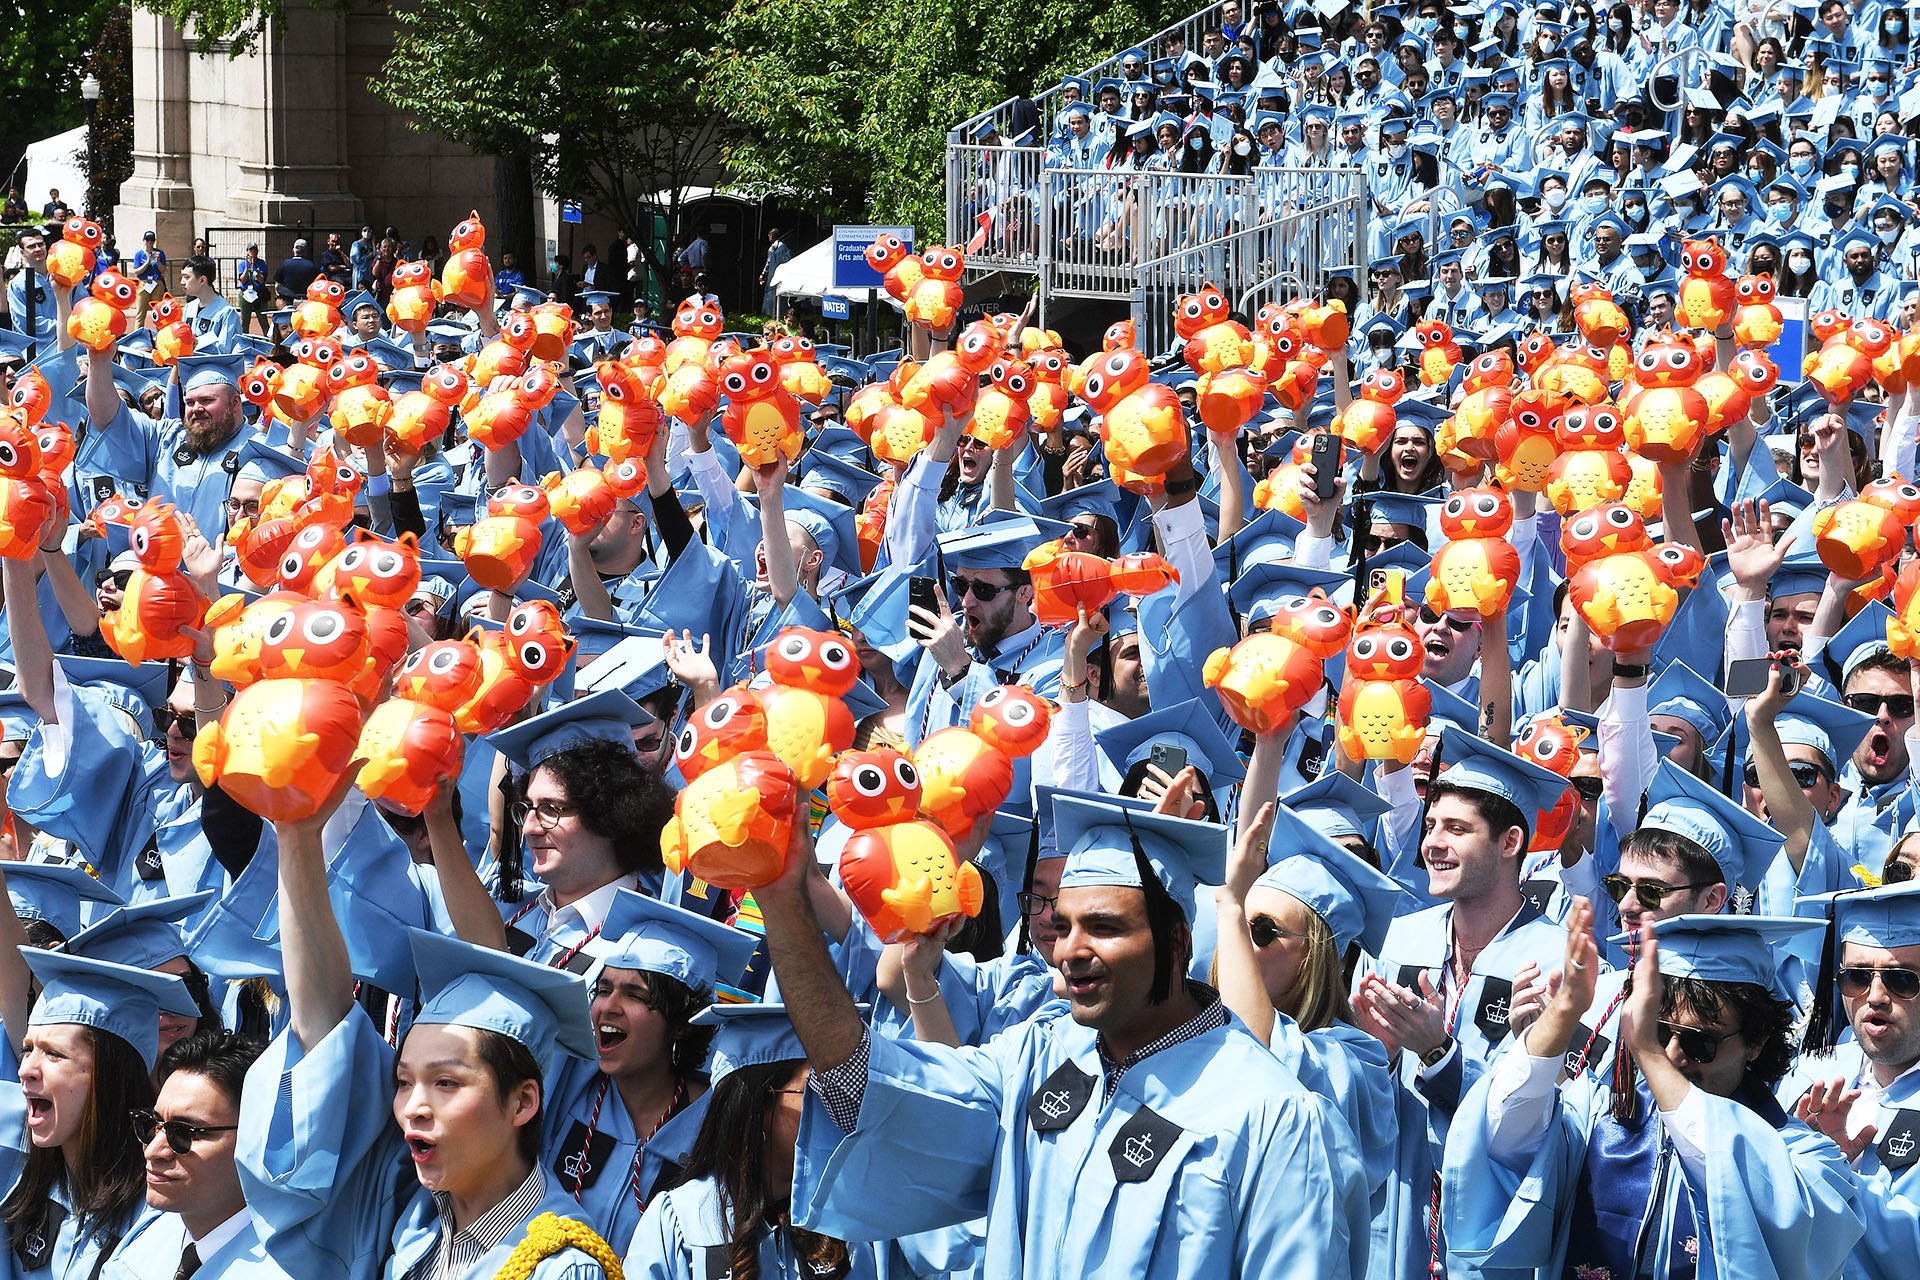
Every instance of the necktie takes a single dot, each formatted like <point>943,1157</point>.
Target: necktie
<point>189,1263</point>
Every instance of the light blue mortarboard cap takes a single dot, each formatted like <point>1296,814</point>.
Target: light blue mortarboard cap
<point>1098,837</point>
<point>1864,636</point>
<point>749,1035</point>
<point>1828,727</point>
<point>1003,544</point>
<point>137,690</point>
<point>846,480</point>
<point>830,524</point>
<point>1681,692</point>
<point>57,894</point>
<point>1742,845</point>
<point>462,985</point>
<point>1888,916</point>
<point>207,371</point>
<point>1727,948</point>
<point>1799,573</point>
<point>263,462</point>
<point>1357,902</point>
<point>1338,805</point>
<point>1189,725</point>
<point>655,937</point>
<point>1474,764</point>
<point>144,936</point>
<point>115,998</point>
<point>607,716</point>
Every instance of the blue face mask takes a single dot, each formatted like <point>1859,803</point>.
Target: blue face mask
<point>1801,166</point>
<point>1896,26</point>
<point>1426,25</point>
<point>1780,213</point>
<point>1592,205</point>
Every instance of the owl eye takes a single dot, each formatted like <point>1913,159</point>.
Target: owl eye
<point>836,656</point>
<point>442,662</point>
<point>1677,359</point>
<point>684,744</point>
<point>352,558</point>
<point>905,774</point>
<point>1019,714</point>
<point>1117,365</point>
<point>520,623</point>
<point>1095,385</point>
<point>386,564</point>
<point>1620,517</point>
<point>1487,506</point>
<point>1327,617</point>
<point>1649,360</point>
<point>1585,528</point>
<point>1455,505</point>
<point>735,383</point>
<point>762,372</point>
<point>1365,646</point>
<point>1546,749</point>
<point>1398,647</point>
<point>721,711</point>
<point>1528,734</point>
<point>279,628</point>
<point>533,654</point>
<point>323,626</point>
<point>869,780</point>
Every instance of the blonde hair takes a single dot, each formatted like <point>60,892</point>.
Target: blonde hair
<point>1318,997</point>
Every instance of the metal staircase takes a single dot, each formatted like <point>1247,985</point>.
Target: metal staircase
<point>1143,237</point>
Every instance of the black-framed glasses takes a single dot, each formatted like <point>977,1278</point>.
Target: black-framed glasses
<point>984,592</point>
<point>1651,893</point>
<point>1432,619</point>
<point>1589,788</point>
<point>1699,1046</point>
<point>243,506</point>
<point>1804,772</point>
<point>1266,931</point>
<point>118,577</point>
<point>546,811</point>
<point>1901,984</point>
<point>187,722</point>
<point>1032,904</point>
<point>1899,705</point>
<point>1896,872</point>
<point>1086,531</point>
<point>180,1135</point>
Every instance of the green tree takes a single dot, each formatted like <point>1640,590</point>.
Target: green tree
<point>848,102</point>
<point>43,54</point>
<point>596,99</point>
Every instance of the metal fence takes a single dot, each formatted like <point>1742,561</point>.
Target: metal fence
<point>1007,115</point>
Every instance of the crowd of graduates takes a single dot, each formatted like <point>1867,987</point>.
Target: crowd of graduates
<point>1484,846</point>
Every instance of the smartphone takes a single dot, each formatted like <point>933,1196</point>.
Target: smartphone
<point>1326,463</point>
<point>923,593</point>
<point>1168,758</point>
<point>1747,677</point>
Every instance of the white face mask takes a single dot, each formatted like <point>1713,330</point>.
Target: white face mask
<point>1554,199</point>
<point>1798,262</point>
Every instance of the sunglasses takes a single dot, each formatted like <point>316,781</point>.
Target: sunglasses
<point>118,577</point>
<point>1651,893</point>
<point>186,721</point>
<point>984,592</point>
<point>1901,984</point>
<point>1590,789</point>
<point>1804,772</point>
<point>1431,619</point>
<point>1089,530</point>
<point>1699,1046</point>
<point>1265,932</point>
<point>1899,705</point>
<point>180,1135</point>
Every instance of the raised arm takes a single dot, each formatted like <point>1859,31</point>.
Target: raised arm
<point>822,1012</point>
<point>32,651</point>
<point>1788,808</point>
<point>474,916</point>
<point>312,951</point>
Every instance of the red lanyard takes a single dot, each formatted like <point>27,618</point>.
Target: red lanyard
<point>674,1104</point>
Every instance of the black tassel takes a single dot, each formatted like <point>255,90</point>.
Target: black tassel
<point>512,879</point>
<point>1824,1016</point>
<point>1026,885</point>
<point>1162,912</point>
<point>1426,803</point>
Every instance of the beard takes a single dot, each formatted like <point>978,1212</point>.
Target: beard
<point>203,439</point>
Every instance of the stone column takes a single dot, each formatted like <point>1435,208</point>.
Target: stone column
<point>158,197</point>
<point>293,155</point>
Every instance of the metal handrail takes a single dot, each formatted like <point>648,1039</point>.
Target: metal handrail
<point>1684,56</point>
<point>1192,26</point>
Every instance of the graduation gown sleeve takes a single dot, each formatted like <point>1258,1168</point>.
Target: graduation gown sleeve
<point>319,1155</point>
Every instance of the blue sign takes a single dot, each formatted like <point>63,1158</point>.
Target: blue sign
<point>850,267</point>
<point>836,308</point>
<point>570,211</point>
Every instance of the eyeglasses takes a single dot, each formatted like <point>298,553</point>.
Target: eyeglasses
<point>1265,932</point>
<point>1699,1046</point>
<point>984,592</point>
<point>1899,705</point>
<point>180,1135</point>
<point>1590,789</point>
<point>1431,619</point>
<point>1901,984</point>
<point>1651,893</point>
<point>1087,531</point>
<point>1896,872</point>
<point>118,577</point>
<point>546,811</point>
<point>243,506</point>
<point>186,721</point>
<point>1805,772</point>
<point>1032,904</point>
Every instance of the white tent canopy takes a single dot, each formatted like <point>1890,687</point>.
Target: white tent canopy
<point>58,164</point>
<point>809,274</point>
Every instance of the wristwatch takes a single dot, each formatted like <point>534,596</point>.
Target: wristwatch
<point>1432,1057</point>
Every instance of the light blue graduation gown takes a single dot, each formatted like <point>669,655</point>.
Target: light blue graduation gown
<point>326,1172</point>
<point>1887,1172</point>
<point>1209,1160</point>
<point>109,797</point>
<point>1775,1202</point>
<point>983,999</point>
<point>152,1251</point>
<point>590,1158</point>
<point>683,1236</point>
<point>1422,943</point>
<point>77,1247</point>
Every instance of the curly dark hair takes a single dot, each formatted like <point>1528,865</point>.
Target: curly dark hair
<point>616,797</point>
<point>1761,1018</point>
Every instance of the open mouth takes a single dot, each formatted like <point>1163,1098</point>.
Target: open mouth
<point>607,1037</point>
<point>39,1111</point>
<point>420,1148</point>
<point>1879,747</point>
<point>1082,985</point>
